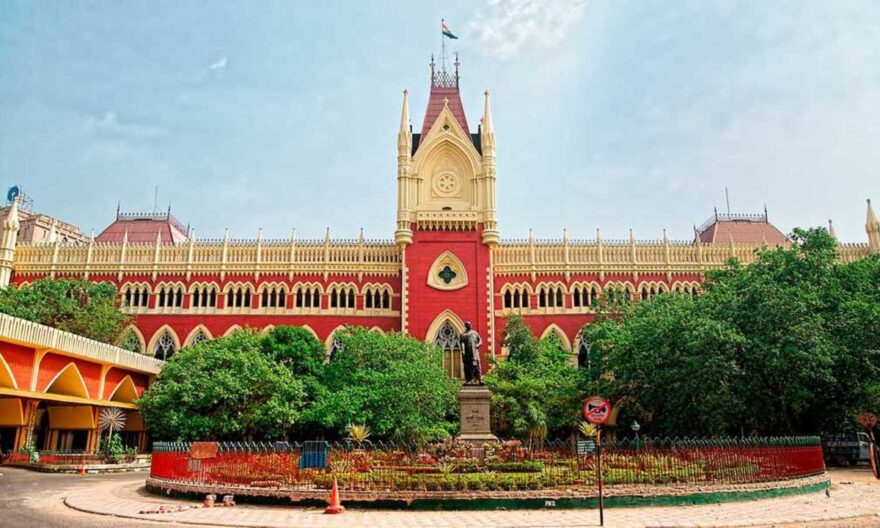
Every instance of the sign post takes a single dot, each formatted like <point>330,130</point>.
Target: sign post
<point>868,420</point>
<point>597,410</point>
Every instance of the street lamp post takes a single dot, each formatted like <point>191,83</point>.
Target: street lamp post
<point>635,428</point>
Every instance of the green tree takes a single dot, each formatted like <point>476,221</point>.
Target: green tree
<point>85,308</point>
<point>225,389</point>
<point>391,383</point>
<point>535,389</point>
<point>299,351</point>
<point>788,344</point>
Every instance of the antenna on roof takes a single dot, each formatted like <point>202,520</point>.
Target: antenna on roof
<point>727,198</point>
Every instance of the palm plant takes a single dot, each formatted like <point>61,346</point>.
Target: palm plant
<point>358,433</point>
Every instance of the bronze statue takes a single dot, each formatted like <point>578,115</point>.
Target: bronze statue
<point>470,349</point>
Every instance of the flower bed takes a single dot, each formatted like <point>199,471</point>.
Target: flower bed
<point>457,467</point>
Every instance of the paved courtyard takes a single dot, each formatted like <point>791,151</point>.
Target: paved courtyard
<point>33,499</point>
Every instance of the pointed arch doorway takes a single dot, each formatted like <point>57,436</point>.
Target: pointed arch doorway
<point>445,332</point>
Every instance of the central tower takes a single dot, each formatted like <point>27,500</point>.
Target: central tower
<point>446,216</point>
<point>446,174</point>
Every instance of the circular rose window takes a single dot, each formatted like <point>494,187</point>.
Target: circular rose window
<point>446,183</point>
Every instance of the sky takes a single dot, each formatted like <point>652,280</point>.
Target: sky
<point>608,114</point>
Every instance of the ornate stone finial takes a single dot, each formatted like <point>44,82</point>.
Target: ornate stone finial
<point>92,235</point>
<point>446,102</point>
<point>598,235</point>
<point>487,114</point>
<point>361,236</point>
<point>192,235</point>
<point>872,227</point>
<point>53,233</point>
<point>531,236</point>
<point>327,235</point>
<point>293,234</point>
<point>404,113</point>
<point>831,229</point>
<point>565,235</point>
<point>125,237</point>
<point>158,237</point>
<point>12,222</point>
<point>260,234</point>
<point>632,238</point>
<point>225,235</point>
<point>665,236</point>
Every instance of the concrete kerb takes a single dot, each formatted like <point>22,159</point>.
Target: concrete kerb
<point>129,500</point>
<point>91,469</point>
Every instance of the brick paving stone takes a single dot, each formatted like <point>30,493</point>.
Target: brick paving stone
<point>853,502</point>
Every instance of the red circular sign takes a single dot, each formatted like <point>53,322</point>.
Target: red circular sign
<point>597,410</point>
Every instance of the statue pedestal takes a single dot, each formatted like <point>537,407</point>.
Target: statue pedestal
<point>473,402</point>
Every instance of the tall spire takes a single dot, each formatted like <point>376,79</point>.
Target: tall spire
<point>404,135</point>
<point>487,132</point>
<point>871,217</point>
<point>8,241</point>
<point>404,113</point>
<point>872,227</point>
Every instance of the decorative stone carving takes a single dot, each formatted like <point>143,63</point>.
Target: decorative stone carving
<point>447,273</point>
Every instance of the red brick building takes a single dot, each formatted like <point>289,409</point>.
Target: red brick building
<point>446,264</point>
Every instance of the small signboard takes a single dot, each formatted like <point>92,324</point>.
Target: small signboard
<point>586,447</point>
<point>597,410</point>
<point>203,450</point>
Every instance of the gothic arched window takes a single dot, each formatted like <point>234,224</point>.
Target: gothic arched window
<point>239,297</point>
<point>273,296</point>
<point>449,340</point>
<point>583,351</point>
<point>200,337</point>
<point>335,346</point>
<point>135,296</point>
<point>342,296</point>
<point>164,348</point>
<point>131,341</point>
<point>204,297</point>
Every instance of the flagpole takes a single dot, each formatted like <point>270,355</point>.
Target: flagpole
<point>442,46</point>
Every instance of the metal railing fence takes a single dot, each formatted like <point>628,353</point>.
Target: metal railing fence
<point>376,466</point>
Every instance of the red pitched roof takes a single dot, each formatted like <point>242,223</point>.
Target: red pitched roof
<point>746,229</point>
<point>439,96</point>
<point>144,228</point>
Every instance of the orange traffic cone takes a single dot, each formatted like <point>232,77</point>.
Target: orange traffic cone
<point>82,468</point>
<point>335,505</point>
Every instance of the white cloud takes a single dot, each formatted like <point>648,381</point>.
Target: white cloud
<point>504,27</point>
<point>219,65</point>
<point>110,126</point>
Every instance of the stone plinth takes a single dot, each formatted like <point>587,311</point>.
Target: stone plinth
<point>473,403</point>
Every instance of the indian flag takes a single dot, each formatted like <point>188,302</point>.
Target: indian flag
<point>447,32</point>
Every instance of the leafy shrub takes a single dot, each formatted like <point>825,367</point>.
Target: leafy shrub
<point>528,466</point>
